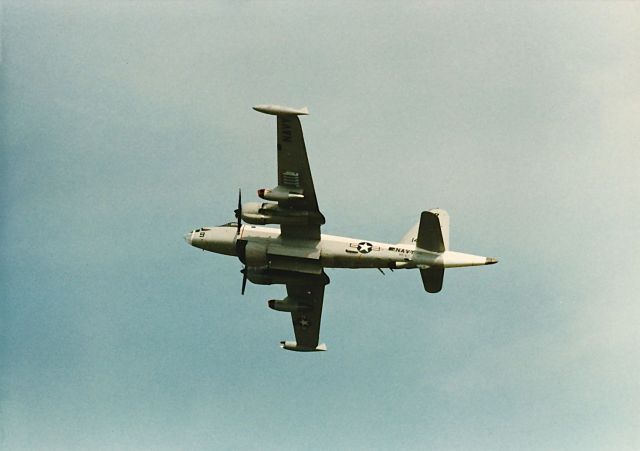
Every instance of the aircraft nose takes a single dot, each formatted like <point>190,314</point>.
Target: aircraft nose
<point>187,237</point>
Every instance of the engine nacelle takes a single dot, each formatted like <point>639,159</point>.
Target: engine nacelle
<point>293,346</point>
<point>255,255</point>
<point>270,213</point>
<point>259,277</point>
<point>288,305</point>
<point>263,276</point>
<point>280,193</point>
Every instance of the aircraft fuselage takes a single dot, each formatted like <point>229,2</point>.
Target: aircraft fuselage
<point>330,251</point>
<point>295,253</point>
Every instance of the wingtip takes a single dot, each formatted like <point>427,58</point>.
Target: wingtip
<point>491,261</point>
<point>279,110</point>
<point>293,346</point>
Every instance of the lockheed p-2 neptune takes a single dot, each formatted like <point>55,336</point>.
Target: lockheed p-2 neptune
<point>296,254</point>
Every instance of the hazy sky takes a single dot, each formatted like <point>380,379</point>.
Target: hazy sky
<point>124,125</point>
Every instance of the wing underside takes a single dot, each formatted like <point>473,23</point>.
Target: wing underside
<point>294,174</point>
<point>305,292</point>
<point>306,321</point>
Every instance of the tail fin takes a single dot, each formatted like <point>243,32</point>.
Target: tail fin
<point>431,234</point>
<point>433,220</point>
<point>411,236</point>
<point>432,279</point>
<point>443,219</point>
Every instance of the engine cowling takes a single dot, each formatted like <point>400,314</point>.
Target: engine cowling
<point>264,276</point>
<point>255,256</point>
<point>271,213</point>
<point>259,277</point>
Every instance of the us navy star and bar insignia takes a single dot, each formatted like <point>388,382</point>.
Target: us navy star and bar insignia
<point>363,247</point>
<point>304,322</point>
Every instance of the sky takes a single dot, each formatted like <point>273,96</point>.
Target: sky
<point>124,125</point>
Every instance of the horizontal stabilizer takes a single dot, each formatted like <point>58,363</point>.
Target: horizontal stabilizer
<point>432,279</point>
<point>429,233</point>
<point>278,110</point>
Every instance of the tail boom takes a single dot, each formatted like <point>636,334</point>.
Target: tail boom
<point>450,259</point>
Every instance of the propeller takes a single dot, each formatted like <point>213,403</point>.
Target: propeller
<point>238,211</point>
<point>244,279</point>
<point>240,244</point>
<point>241,252</point>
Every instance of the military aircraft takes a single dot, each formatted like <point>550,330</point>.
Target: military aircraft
<point>296,254</point>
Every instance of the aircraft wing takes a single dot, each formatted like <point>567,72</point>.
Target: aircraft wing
<point>294,172</point>
<point>306,324</point>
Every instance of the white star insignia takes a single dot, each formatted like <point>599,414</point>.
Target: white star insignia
<point>365,248</point>
<point>304,322</point>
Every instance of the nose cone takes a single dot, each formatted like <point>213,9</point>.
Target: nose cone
<point>221,240</point>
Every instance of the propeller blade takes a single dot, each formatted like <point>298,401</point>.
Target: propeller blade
<point>244,279</point>
<point>238,211</point>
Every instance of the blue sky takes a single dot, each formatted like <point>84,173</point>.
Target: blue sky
<point>124,125</point>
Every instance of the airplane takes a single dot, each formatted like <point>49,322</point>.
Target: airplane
<point>297,253</point>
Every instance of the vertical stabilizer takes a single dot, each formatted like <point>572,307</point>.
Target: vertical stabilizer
<point>443,219</point>
<point>411,237</point>
<point>433,236</point>
<point>429,233</point>
<point>432,279</point>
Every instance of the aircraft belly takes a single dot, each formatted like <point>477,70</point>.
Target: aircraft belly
<point>293,264</point>
<point>301,250</point>
<point>338,261</point>
<point>347,259</point>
